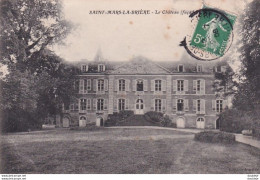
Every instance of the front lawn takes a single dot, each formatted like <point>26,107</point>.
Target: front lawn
<point>122,151</point>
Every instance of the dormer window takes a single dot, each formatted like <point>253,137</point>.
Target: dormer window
<point>101,67</point>
<point>199,68</point>
<point>181,68</point>
<point>218,69</point>
<point>84,68</point>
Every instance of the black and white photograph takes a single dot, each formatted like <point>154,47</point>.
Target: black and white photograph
<point>129,87</point>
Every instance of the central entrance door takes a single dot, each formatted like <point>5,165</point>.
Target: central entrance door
<point>139,107</point>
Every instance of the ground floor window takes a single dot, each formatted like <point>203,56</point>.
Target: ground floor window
<point>100,104</point>
<point>198,105</point>
<point>180,105</point>
<point>158,105</point>
<point>121,104</point>
<point>83,104</point>
<point>219,105</point>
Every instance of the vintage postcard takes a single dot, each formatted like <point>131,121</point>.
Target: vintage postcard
<point>129,87</point>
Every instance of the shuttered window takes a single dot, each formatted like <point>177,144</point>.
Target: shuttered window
<point>158,105</point>
<point>121,104</point>
<point>100,104</point>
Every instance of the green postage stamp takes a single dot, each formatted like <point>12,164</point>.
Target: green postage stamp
<point>212,34</point>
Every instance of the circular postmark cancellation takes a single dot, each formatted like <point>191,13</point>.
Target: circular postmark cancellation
<point>211,35</point>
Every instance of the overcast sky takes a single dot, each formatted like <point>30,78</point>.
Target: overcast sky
<point>121,37</point>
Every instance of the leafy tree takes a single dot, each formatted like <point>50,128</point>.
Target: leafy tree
<point>249,89</point>
<point>28,28</point>
<point>224,83</point>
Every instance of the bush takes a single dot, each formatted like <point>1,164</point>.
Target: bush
<point>116,117</point>
<point>154,116</point>
<point>160,119</point>
<point>235,121</point>
<point>16,120</point>
<point>215,137</point>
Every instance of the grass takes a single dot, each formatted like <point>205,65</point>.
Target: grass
<point>122,151</point>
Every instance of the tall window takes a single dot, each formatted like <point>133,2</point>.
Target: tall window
<point>198,85</point>
<point>100,85</point>
<point>180,85</point>
<point>121,104</point>
<point>180,105</point>
<point>158,105</point>
<point>100,104</point>
<point>140,85</point>
<point>219,104</point>
<point>83,104</point>
<point>85,84</point>
<point>158,85</point>
<point>181,68</point>
<point>198,105</point>
<point>121,85</point>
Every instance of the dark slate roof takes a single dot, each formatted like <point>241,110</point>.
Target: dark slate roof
<point>142,65</point>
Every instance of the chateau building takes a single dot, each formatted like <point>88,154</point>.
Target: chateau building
<point>181,90</point>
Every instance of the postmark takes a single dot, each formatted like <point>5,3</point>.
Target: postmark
<point>211,35</point>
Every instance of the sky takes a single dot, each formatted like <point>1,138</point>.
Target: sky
<point>122,37</point>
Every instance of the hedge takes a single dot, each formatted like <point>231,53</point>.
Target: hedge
<point>215,137</point>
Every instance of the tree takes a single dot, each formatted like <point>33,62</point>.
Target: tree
<point>224,84</point>
<point>249,89</point>
<point>28,27</point>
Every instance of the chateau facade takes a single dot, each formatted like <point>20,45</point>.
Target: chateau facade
<point>183,91</point>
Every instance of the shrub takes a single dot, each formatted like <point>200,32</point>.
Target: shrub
<point>160,119</point>
<point>16,120</point>
<point>154,116</point>
<point>215,137</point>
<point>116,117</point>
<point>233,120</point>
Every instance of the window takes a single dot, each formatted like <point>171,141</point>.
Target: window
<point>89,104</point>
<point>121,85</point>
<point>180,85</point>
<point>219,104</point>
<point>121,104</point>
<point>180,105</point>
<point>198,85</point>
<point>139,104</point>
<point>199,68</point>
<point>85,84</point>
<point>140,85</point>
<point>158,85</point>
<point>83,104</point>
<point>218,69</point>
<point>158,105</point>
<point>84,68</point>
<point>181,68</point>
<point>198,105</point>
<point>101,67</point>
<point>100,104</point>
<point>100,85</point>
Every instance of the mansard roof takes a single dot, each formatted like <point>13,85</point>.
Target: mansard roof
<point>141,65</point>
